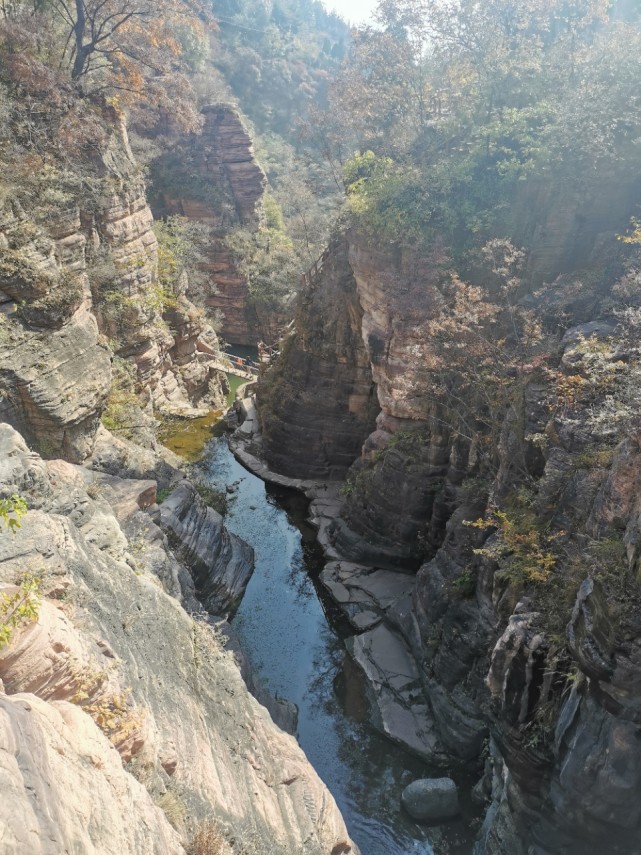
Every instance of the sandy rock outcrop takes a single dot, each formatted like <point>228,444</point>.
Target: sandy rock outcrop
<point>64,787</point>
<point>86,273</point>
<point>161,340</point>
<point>210,750</point>
<point>54,372</point>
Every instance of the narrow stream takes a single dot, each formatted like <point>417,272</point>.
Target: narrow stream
<point>294,651</point>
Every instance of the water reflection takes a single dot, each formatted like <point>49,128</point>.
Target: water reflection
<point>295,652</point>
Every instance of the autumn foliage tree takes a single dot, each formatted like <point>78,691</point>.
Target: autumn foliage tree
<point>136,52</point>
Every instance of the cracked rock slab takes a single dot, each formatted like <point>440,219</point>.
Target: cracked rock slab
<point>364,593</point>
<point>397,705</point>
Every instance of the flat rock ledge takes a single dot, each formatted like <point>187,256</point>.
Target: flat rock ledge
<point>397,704</point>
<point>364,593</point>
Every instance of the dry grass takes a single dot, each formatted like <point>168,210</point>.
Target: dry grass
<point>173,807</point>
<point>208,839</point>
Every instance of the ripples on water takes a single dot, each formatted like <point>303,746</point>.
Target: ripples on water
<point>296,654</point>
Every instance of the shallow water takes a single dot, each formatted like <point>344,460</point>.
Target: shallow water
<point>286,631</point>
<point>187,437</point>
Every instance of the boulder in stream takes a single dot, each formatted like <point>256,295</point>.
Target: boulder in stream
<point>431,799</point>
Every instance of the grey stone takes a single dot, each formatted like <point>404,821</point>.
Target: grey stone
<point>431,799</point>
<point>397,705</point>
<point>220,562</point>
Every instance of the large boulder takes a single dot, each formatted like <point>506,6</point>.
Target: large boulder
<point>431,799</point>
<point>220,562</point>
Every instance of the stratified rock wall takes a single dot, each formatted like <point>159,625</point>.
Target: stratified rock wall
<point>55,373</point>
<point>112,649</point>
<point>541,690</point>
<point>220,562</point>
<point>163,341</point>
<point>223,188</point>
<point>83,278</point>
<point>320,403</point>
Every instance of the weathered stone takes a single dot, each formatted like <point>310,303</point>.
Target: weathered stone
<point>431,799</point>
<point>221,563</point>
<point>226,757</point>
<point>318,404</point>
<point>54,386</point>
<point>64,787</point>
<point>590,633</point>
<point>399,709</point>
<point>223,154</point>
<point>364,593</point>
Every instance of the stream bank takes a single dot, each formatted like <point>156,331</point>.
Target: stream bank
<point>292,635</point>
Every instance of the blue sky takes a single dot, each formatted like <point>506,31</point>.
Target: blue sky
<point>354,11</point>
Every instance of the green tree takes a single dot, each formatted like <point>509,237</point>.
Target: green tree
<point>12,510</point>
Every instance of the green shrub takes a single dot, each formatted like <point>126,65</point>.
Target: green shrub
<point>212,497</point>
<point>19,608</point>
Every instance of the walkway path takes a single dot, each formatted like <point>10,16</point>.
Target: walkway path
<point>238,366</point>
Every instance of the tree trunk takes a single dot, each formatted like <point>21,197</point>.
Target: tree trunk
<point>82,50</point>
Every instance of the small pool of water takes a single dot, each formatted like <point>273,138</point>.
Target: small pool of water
<point>285,626</point>
<point>188,437</point>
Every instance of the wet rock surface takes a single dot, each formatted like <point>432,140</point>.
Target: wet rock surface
<point>431,799</point>
<point>221,563</point>
<point>399,708</point>
<point>364,593</point>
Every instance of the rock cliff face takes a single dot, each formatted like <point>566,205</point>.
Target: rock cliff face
<point>322,403</point>
<point>548,673</point>
<point>113,651</point>
<point>80,275</point>
<point>221,563</point>
<point>213,178</point>
<point>171,353</point>
<point>125,723</point>
<point>46,390</point>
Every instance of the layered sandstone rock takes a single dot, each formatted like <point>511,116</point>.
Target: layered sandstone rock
<point>75,279</point>
<point>210,751</point>
<point>483,664</point>
<point>177,374</point>
<point>223,188</point>
<point>64,787</point>
<point>320,402</point>
<point>221,563</point>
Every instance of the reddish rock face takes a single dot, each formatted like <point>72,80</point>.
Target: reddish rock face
<point>319,402</point>
<point>552,677</point>
<point>231,185</point>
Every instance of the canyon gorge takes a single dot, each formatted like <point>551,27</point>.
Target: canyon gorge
<point>443,261</point>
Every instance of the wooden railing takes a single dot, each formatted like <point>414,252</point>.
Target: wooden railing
<point>309,279</point>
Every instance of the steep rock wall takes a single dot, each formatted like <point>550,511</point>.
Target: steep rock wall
<point>214,178</point>
<point>80,276</point>
<point>560,769</point>
<point>321,403</point>
<point>205,750</point>
<point>55,372</point>
<point>171,364</point>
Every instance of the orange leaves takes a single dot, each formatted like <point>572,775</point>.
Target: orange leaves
<point>524,551</point>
